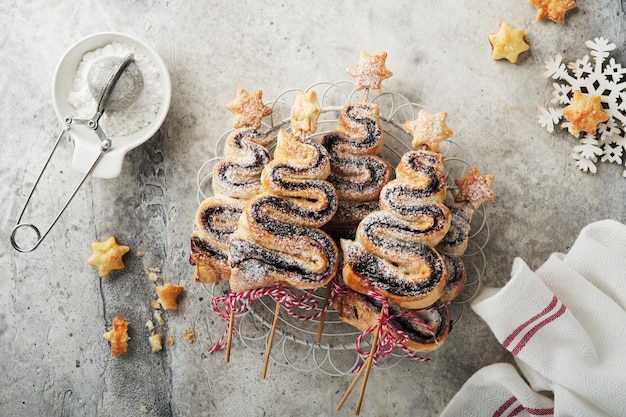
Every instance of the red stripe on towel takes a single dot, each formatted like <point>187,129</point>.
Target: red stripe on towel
<point>536,328</point>
<point>519,408</point>
<point>505,406</point>
<point>540,411</point>
<point>521,327</point>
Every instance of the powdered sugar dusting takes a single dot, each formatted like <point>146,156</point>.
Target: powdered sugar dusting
<point>124,122</point>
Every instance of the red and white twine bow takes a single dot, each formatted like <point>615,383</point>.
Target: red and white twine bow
<point>390,337</point>
<point>237,302</point>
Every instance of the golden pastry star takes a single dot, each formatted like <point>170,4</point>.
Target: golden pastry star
<point>584,113</point>
<point>168,295</point>
<point>107,256</point>
<point>118,336</point>
<point>507,43</point>
<point>370,71</point>
<point>474,188</point>
<point>248,109</point>
<point>428,129</point>
<point>552,9</point>
<point>305,112</point>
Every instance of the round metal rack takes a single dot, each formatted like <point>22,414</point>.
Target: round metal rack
<point>295,342</point>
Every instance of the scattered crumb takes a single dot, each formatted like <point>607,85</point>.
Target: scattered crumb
<point>140,253</point>
<point>169,341</point>
<point>158,317</point>
<point>168,295</point>
<point>156,342</point>
<point>143,409</point>
<point>152,274</point>
<point>118,336</point>
<point>155,304</point>
<point>189,336</point>
<point>150,325</point>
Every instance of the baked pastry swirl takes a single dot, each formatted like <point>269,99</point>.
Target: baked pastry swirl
<point>393,253</point>
<point>358,173</point>
<point>425,330</point>
<point>278,238</point>
<point>236,179</point>
<point>452,246</point>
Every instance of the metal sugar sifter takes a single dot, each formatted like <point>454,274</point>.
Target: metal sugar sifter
<point>115,84</point>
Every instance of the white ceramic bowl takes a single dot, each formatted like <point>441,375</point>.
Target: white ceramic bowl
<point>86,143</point>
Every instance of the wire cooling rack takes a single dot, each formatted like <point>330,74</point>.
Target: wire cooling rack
<point>295,341</point>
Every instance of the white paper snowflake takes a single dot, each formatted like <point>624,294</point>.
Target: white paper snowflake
<point>602,78</point>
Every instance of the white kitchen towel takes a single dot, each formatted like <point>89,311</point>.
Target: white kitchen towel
<point>498,390</point>
<point>565,325</point>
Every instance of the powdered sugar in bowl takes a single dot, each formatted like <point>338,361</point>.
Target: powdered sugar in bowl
<point>127,128</point>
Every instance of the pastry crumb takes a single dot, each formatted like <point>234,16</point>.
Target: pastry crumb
<point>169,341</point>
<point>156,342</point>
<point>189,336</point>
<point>168,295</point>
<point>158,317</point>
<point>118,336</point>
<point>152,274</point>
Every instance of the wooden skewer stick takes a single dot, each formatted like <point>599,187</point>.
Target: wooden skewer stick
<point>320,329</point>
<point>368,364</point>
<point>270,340</point>
<point>229,341</point>
<point>365,368</point>
<point>350,388</point>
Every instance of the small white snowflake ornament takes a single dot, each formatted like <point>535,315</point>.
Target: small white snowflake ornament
<point>603,77</point>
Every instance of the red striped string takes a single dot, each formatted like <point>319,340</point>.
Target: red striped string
<point>239,301</point>
<point>390,337</point>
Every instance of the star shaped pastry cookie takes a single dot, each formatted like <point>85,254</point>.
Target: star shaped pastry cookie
<point>168,295</point>
<point>428,129</point>
<point>507,43</point>
<point>552,9</point>
<point>118,336</point>
<point>474,188</point>
<point>370,71</point>
<point>248,109</point>
<point>584,113</point>
<point>107,256</point>
<point>305,112</point>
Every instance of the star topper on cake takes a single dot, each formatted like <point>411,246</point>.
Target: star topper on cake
<point>305,112</point>
<point>429,129</point>
<point>248,109</point>
<point>370,71</point>
<point>474,188</point>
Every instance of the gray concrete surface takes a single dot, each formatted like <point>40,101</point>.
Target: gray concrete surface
<point>53,306</point>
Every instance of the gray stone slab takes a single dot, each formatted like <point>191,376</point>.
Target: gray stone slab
<point>54,308</point>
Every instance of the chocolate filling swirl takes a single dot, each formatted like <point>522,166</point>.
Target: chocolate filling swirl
<point>277,239</point>
<point>358,173</point>
<point>235,179</point>
<point>389,276</point>
<point>238,175</point>
<point>393,252</point>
